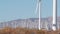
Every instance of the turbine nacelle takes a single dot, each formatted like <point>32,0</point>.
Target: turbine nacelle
<point>39,0</point>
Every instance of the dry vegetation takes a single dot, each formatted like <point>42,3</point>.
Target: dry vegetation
<point>18,30</point>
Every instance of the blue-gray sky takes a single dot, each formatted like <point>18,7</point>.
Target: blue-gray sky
<point>19,9</point>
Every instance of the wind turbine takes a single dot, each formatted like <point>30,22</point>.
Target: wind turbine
<point>38,8</point>
<point>54,14</point>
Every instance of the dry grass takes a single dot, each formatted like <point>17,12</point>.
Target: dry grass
<point>17,30</point>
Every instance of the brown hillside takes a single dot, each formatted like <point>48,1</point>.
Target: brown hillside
<point>17,30</point>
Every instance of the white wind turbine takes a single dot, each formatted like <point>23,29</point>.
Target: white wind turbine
<point>54,14</point>
<point>38,8</point>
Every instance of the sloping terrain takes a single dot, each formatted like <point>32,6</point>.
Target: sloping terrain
<point>30,23</point>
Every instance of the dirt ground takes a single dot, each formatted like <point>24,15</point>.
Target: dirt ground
<point>17,30</point>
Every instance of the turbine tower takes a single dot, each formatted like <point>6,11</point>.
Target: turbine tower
<point>54,14</point>
<point>38,8</point>
<point>39,14</point>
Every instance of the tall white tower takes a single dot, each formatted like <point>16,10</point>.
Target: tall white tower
<point>38,8</point>
<point>54,14</point>
<point>39,13</point>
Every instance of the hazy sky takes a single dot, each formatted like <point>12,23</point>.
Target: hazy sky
<point>19,9</point>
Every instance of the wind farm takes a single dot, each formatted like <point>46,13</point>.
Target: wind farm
<point>30,17</point>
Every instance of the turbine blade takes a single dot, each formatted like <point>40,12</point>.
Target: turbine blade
<point>36,8</point>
